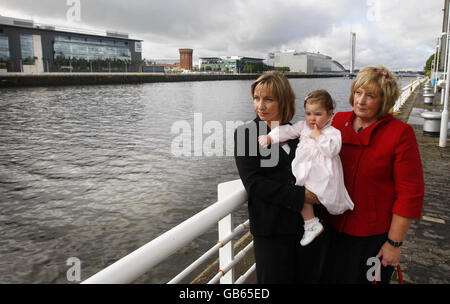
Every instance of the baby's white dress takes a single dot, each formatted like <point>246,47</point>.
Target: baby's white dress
<point>317,164</point>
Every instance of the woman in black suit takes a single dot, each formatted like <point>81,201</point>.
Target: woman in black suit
<point>274,201</point>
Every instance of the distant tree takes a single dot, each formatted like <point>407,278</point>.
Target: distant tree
<point>253,68</point>
<point>282,69</point>
<point>259,67</point>
<point>427,67</point>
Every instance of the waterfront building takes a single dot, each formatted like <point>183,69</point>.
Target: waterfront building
<point>232,64</point>
<point>153,69</point>
<point>160,65</point>
<point>169,65</point>
<point>186,59</point>
<point>34,48</point>
<point>304,62</point>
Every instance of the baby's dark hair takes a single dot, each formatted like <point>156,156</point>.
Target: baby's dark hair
<point>321,96</point>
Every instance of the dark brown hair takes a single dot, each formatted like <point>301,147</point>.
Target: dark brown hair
<point>321,96</point>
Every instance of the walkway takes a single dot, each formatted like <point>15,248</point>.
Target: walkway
<point>426,250</point>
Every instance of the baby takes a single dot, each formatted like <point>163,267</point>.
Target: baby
<point>316,165</point>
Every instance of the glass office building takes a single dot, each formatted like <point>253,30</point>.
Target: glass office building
<point>91,48</point>
<point>232,64</point>
<point>26,47</point>
<point>33,48</point>
<point>4,48</point>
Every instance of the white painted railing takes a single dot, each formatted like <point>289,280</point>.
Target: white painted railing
<point>405,93</point>
<point>231,195</point>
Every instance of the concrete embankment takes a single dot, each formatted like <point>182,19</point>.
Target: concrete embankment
<point>58,79</point>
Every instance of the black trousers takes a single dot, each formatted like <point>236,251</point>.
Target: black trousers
<point>282,260</point>
<point>277,259</point>
<point>348,256</point>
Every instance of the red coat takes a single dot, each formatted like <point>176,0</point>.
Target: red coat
<point>383,175</point>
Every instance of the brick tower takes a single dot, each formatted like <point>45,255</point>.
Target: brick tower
<point>186,59</point>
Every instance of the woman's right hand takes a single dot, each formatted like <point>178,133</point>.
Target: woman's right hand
<point>311,198</point>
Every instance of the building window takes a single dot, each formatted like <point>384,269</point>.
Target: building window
<point>78,39</point>
<point>93,41</point>
<point>90,49</point>
<point>107,42</point>
<point>26,44</point>
<point>62,38</point>
<point>4,48</point>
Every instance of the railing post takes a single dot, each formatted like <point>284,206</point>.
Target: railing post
<point>226,254</point>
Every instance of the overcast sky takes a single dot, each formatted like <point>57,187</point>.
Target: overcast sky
<point>400,34</point>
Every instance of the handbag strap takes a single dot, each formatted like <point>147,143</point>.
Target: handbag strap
<point>399,272</point>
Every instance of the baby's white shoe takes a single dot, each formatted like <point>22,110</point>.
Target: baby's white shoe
<point>311,232</point>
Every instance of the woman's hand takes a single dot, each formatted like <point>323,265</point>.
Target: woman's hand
<point>390,254</point>
<point>397,232</point>
<point>264,140</point>
<point>315,132</point>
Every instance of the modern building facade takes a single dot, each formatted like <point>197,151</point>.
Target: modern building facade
<point>232,64</point>
<point>186,59</point>
<point>304,62</point>
<point>32,48</point>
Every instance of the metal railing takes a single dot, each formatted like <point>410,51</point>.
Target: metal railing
<point>406,93</point>
<point>231,195</point>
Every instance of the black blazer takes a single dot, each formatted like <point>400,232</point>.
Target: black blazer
<point>274,202</point>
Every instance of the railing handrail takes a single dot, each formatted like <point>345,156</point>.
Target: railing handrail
<point>406,91</point>
<point>135,264</point>
<point>215,249</point>
<point>230,265</point>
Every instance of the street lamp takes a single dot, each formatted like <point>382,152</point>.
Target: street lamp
<point>436,64</point>
<point>441,83</point>
<point>444,117</point>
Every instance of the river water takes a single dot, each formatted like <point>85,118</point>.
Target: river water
<point>89,172</point>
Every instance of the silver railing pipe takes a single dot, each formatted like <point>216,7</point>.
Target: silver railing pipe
<point>245,276</point>
<point>238,230</point>
<point>406,93</point>
<point>222,272</point>
<point>135,264</point>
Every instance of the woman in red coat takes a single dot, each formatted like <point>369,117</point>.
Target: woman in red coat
<point>383,176</point>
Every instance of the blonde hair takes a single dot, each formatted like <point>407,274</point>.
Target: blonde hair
<point>282,91</point>
<point>383,81</point>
